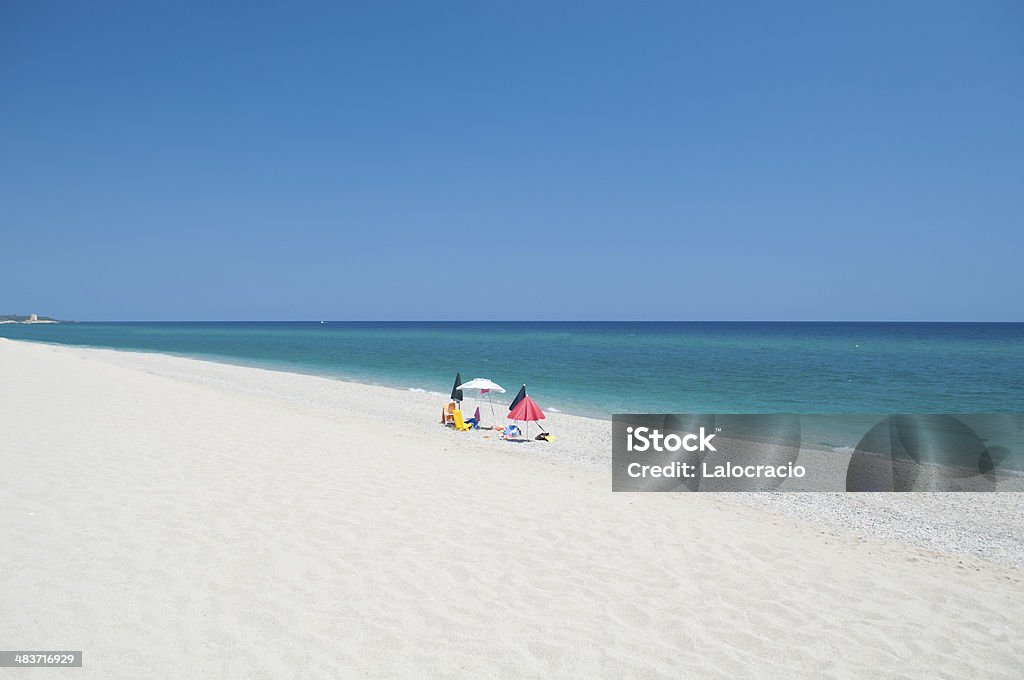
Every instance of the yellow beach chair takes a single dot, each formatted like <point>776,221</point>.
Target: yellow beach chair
<point>460,424</point>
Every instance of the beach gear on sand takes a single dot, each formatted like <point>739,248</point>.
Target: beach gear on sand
<point>512,433</point>
<point>460,425</point>
<point>447,414</point>
<point>526,410</point>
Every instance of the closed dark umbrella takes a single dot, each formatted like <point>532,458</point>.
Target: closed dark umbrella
<point>519,397</point>
<point>456,392</point>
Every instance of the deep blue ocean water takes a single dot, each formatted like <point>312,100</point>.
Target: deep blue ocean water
<point>599,368</point>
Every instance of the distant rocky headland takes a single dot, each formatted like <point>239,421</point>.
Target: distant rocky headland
<point>31,318</point>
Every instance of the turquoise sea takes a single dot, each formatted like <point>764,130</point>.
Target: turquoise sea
<point>600,368</point>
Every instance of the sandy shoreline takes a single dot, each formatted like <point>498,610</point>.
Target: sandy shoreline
<point>175,517</point>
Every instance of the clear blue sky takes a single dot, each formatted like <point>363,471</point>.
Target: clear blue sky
<point>480,160</point>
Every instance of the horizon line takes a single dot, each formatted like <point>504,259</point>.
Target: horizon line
<point>537,321</point>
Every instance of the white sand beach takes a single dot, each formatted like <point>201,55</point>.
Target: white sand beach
<point>181,519</point>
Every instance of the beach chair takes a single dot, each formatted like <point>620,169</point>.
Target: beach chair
<point>447,414</point>
<point>460,425</point>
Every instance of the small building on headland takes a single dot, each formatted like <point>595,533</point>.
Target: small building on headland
<point>34,318</point>
<point>31,318</point>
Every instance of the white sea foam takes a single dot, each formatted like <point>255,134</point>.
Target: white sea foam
<point>420,390</point>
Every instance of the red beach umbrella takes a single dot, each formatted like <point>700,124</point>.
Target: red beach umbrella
<point>527,410</point>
